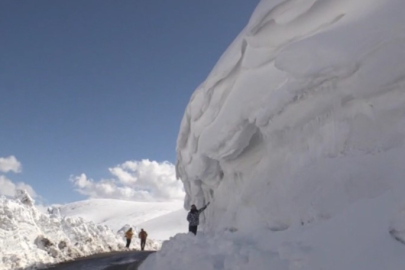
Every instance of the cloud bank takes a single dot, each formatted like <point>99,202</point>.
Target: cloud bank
<point>8,187</point>
<point>134,180</point>
<point>10,164</point>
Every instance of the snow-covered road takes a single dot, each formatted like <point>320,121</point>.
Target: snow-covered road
<point>115,261</point>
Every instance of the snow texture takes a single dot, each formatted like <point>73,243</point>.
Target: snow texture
<point>31,239</point>
<point>297,140</point>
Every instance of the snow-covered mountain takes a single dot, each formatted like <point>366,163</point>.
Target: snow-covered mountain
<point>297,138</point>
<point>160,219</point>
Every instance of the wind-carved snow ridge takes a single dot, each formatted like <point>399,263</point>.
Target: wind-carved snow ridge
<point>30,239</point>
<point>302,116</point>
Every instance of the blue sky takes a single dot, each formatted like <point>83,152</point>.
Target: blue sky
<point>87,85</point>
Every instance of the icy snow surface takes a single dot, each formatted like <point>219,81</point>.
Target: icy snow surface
<point>29,238</point>
<point>297,140</point>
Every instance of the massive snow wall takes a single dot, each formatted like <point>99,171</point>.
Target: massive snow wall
<point>302,116</point>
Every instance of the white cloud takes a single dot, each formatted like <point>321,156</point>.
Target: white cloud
<point>10,164</point>
<point>8,188</point>
<point>82,181</point>
<point>134,180</point>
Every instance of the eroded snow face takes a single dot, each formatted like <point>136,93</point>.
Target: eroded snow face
<point>303,115</point>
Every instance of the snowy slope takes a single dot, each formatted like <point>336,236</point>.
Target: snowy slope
<point>166,226</point>
<point>117,213</point>
<point>297,140</point>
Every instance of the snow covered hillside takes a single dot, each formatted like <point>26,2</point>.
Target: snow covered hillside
<point>297,140</point>
<point>29,238</point>
<point>160,219</point>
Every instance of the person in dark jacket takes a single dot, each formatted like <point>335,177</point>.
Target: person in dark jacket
<point>143,235</point>
<point>193,218</point>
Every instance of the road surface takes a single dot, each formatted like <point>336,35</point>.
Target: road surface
<point>129,260</point>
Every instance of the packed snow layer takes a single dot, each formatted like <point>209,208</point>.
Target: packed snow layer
<point>303,116</point>
<point>160,219</point>
<point>29,238</point>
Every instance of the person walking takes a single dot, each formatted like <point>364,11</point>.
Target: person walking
<point>128,236</point>
<point>193,218</point>
<point>143,235</point>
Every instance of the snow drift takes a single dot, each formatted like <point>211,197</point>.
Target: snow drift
<point>297,140</point>
<point>29,238</point>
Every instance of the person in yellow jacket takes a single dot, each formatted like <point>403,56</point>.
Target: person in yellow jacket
<point>128,236</point>
<point>143,235</point>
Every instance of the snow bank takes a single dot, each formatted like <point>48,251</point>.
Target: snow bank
<point>29,238</point>
<point>297,140</point>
